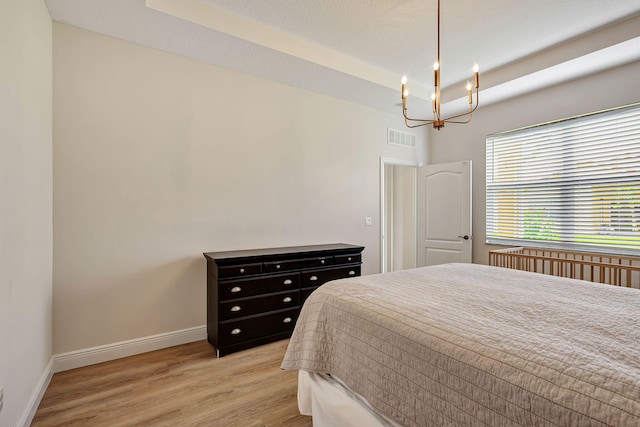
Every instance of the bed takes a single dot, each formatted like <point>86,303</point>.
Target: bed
<point>466,345</point>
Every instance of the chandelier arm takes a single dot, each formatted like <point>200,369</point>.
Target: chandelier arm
<point>427,121</point>
<point>448,119</point>
<point>420,122</point>
<point>408,119</point>
<point>468,113</point>
<point>457,122</point>
<point>414,126</point>
<point>471,110</point>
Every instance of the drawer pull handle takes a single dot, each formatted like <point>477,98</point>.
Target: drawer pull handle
<point>286,299</point>
<point>321,261</point>
<point>236,308</point>
<point>242,270</point>
<point>235,331</point>
<point>288,282</point>
<point>313,278</point>
<point>352,273</point>
<point>349,259</point>
<point>236,289</point>
<point>287,320</point>
<point>277,266</point>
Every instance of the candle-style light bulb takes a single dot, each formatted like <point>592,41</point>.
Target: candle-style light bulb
<point>404,87</point>
<point>469,93</point>
<point>404,79</point>
<point>476,78</point>
<point>436,65</point>
<point>468,86</point>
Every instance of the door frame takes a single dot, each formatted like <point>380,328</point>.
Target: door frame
<point>384,161</point>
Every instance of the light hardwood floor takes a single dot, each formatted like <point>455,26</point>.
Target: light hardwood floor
<point>179,386</point>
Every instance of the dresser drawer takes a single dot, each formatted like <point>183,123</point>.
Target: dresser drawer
<point>318,277</point>
<point>234,331</point>
<point>239,270</point>
<point>297,264</point>
<point>348,259</point>
<point>247,307</point>
<point>232,289</point>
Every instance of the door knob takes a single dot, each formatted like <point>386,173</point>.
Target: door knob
<point>465,237</point>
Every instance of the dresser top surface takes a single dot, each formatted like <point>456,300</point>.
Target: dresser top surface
<point>309,250</point>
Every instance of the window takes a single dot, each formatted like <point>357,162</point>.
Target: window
<point>571,184</point>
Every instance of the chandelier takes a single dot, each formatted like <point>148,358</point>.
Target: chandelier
<point>438,121</point>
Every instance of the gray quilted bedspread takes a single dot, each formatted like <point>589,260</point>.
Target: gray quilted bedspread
<point>467,345</point>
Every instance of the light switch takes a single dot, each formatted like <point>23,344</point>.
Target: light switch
<point>368,221</point>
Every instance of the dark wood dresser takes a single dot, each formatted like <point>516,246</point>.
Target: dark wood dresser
<point>254,296</point>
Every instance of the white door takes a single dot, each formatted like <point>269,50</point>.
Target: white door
<point>444,213</point>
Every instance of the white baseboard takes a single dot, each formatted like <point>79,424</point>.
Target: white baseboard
<point>36,398</point>
<point>104,353</point>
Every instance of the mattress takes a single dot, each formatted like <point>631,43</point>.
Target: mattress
<point>465,344</point>
<point>327,399</point>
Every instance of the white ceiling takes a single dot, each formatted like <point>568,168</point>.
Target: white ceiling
<point>359,49</point>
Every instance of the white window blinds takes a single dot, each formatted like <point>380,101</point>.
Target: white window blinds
<point>572,184</point>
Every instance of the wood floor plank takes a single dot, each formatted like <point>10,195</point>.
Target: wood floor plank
<point>180,386</point>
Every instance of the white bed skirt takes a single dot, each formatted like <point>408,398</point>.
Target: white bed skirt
<point>331,403</point>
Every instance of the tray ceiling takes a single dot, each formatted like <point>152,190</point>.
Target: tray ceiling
<point>359,49</point>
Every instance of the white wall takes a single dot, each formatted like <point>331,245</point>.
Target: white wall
<point>158,158</point>
<point>25,205</point>
<point>618,86</point>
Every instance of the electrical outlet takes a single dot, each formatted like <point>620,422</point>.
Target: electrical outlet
<point>368,221</point>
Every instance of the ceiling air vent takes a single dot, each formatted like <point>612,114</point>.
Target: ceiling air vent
<point>403,139</point>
